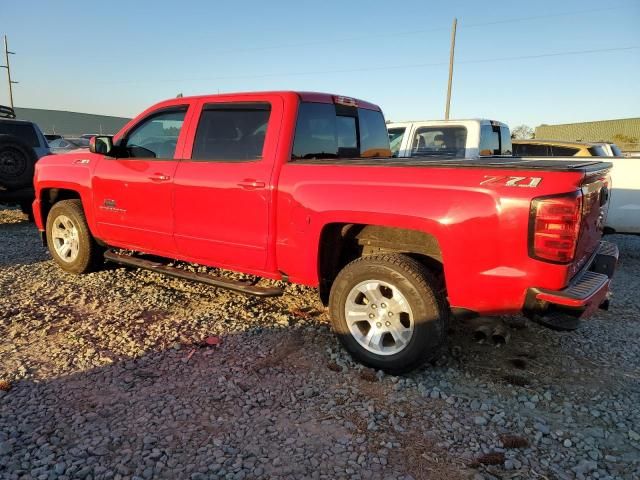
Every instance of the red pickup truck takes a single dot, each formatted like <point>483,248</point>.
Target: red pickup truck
<point>301,187</point>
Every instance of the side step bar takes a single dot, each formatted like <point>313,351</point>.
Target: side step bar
<point>235,285</point>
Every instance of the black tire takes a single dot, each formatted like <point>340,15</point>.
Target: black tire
<point>89,254</point>
<point>423,293</point>
<point>17,162</point>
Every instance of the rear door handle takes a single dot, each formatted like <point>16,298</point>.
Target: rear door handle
<point>250,184</point>
<point>158,177</point>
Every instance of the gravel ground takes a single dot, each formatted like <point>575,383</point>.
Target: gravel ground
<point>109,375</point>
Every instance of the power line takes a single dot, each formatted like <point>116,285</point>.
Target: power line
<point>395,67</point>
<point>326,41</point>
<point>555,54</point>
<point>544,16</point>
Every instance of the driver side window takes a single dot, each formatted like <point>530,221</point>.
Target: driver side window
<point>156,136</point>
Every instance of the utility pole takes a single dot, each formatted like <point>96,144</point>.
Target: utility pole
<point>8,67</point>
<point>451,55</point>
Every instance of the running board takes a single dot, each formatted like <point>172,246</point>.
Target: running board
<point>235,285</point>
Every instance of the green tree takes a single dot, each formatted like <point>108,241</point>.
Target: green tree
<point>522,132</point>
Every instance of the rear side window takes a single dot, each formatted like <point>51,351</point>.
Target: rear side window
<point>449,141</point>
<point>374,140</point>
<point>23,131</point>
<point>395,139</point>
<point>597,151</point>
<point>231,132</point>
<point>563,151</point>
<point>325,130</point>
<point>495,140</point>
<point>530,150</point>
<point>616,151</point>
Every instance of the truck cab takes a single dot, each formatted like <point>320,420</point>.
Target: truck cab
<point>449,138</point>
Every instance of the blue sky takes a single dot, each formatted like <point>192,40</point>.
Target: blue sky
<point>119,58</point>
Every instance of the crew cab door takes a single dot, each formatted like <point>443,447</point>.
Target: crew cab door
<point>222,188</point>
<point>133,191</point>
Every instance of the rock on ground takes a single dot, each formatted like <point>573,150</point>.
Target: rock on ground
<point>111,378</point>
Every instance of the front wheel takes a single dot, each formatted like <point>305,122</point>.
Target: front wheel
<point>389,312</point>
<point>70,242</point>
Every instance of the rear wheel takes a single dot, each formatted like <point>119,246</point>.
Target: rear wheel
<point>389,312</point>
<point>70,242</point>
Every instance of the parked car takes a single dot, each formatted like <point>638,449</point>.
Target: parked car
<point>557,148</point>
<point>21,145</point>
<point>450,138</point>
<point>88,136</point>
<point>624,204</point>
<point>300,187</point>
<point>52,136</point>
<point>67,144</point>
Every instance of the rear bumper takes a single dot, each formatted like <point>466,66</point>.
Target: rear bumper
<point>588,291</point>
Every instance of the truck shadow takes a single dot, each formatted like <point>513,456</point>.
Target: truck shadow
<point>268,395</point>
<point>92,391</point>
<point>21,244</point>
<point>271,397</point>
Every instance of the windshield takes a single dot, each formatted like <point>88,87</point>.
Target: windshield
<point>80,142</point>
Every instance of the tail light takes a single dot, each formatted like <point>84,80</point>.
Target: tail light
<point>554,227</point>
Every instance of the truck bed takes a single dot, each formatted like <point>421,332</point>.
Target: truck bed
<point>527,163</point>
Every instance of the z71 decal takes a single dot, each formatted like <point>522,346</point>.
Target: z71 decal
<point>527,182</point>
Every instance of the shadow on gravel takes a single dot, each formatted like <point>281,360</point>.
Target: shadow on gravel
<point>267,403</point>
<point>280,402</point>
<point>21,244</point>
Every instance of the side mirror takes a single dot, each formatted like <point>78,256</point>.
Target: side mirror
<point>101,144</point>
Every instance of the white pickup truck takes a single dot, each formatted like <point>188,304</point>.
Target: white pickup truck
<point>624,204</point>
<point>624,208</point>
<point>449,138</point>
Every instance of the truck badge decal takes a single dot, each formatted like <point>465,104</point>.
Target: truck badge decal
<point>110,205</point>
<point>527,182</point>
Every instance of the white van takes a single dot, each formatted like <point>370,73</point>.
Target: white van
<point>449,138</point>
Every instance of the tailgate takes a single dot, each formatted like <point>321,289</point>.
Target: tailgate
<point>595,203</point>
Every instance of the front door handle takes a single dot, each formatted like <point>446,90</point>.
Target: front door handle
<point>251,184</point>
<point>158,177</point>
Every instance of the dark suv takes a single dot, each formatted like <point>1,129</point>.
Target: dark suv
<point>21,145</point>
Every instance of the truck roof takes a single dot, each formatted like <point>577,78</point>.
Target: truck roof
<point>456,121</point>
<point>317,97</point>
<point>560,164</point>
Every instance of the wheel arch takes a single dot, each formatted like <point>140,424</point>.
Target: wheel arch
<point>341,243</point>
<point>50,196</point>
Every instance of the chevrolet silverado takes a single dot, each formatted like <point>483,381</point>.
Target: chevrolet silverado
<point>301,187</point>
